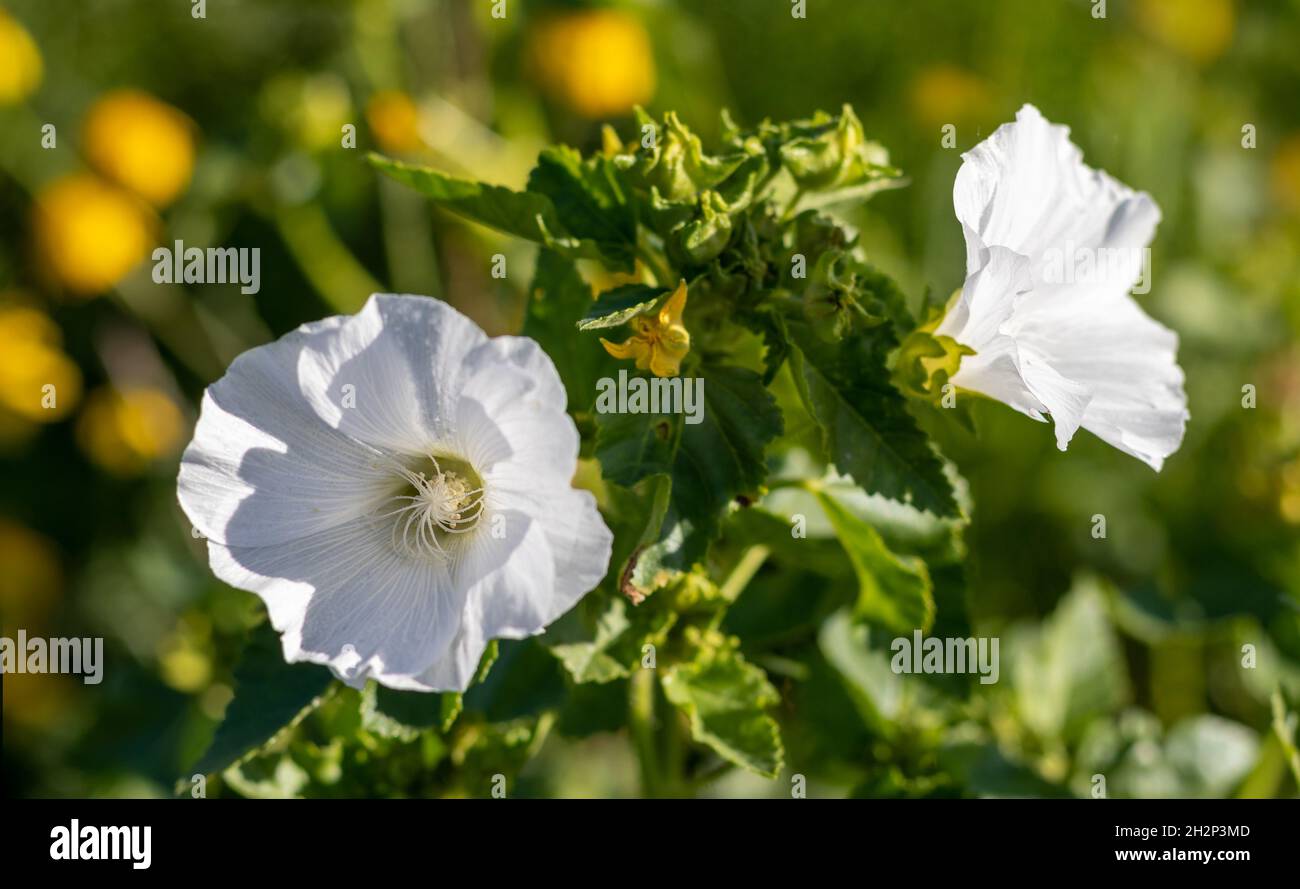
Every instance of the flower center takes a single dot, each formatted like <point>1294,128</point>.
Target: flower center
<point>440,501</point>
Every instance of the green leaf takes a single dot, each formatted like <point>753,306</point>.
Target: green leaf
<point>620,305</point>
<point>269,695</point>
<point>867,431</point>
<point>893,591</point>
<point>723,455</point>
<point>710,462</point>
<point>904,528</point>
<point>404,714</point>
<point>590,661</point>
<point>1070,669</point>
<point>524,681</point>
<point>880,695</point>
<point>558,299</point>
<point>589,201</point>
<point>636,516</point>
<point>523,214</point>
<point>1212,754</point>
<point>776,341</point>
<point>724,697</point>
<point>631,447</point>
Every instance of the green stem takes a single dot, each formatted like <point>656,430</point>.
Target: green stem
<point>1285,731</point>
<point>656,263</point>
<point>323,259</point>
<point>750,561</point>
<point>788,213</point>
<point>641,721</point>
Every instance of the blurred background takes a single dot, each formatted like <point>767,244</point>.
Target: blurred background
<point>127,124</point>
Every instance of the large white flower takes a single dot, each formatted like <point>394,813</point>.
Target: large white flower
<point>1053,248</point>
<point>397,487</point>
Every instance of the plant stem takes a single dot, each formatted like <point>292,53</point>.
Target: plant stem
<point>1284,728</point>
<point>746,567</point>
<point>641,727</point>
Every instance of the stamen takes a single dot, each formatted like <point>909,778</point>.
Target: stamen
<point>443,503</point>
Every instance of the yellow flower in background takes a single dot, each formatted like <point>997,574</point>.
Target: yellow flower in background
<point>31,586</point>
<point>37,381</point>
<point>1288,501</point>
<point>141,143</point>
<point>20,62</point>
<point>89,234</point>
<point>184,656</point>
<point>947,94</point>
<point>124,431</point>
<point>394,121</point>
<point>1286,173</point>
<point>31,581</point>
<point>1201,30</point>
<point>660,342</point>
<point>598,62</point>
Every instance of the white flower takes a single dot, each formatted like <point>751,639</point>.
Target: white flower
<point>1053,248</point>
<point>396,486</point>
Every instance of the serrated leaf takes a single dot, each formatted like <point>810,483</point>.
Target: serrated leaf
<point>867,431</point>
<point>710,463</point>
<point>558,299</point>
<point>590,661</point>
<point>523,214</point>
<point>776,341</point>
<point>620,305</point>
<point>632,447</point>
<point>588,200</point>
<point>269,695</point>
<point>893,591</point>
<point>725,698</point>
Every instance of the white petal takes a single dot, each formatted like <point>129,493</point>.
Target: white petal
<point>1072,343</point>
<point>555,549</point>
<point>987,302</point>
<point>1026,188</point>
<point>1065,399</point>
<point>345,598</point>
<point>579,541</point>
<point>513,409</point>
<point>1128,362</point>
<point>391,376</point>
<point>262,468</point>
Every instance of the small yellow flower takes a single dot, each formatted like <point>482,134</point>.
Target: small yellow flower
<point>1201,30</point>
<point>124,431</point>
<point>88,234</point>
<point>37,381</point>
<point>20,62</point>
<point>598,62</point>
<point>660,342</point>
<point>394,122</point>
<point>141,143</point>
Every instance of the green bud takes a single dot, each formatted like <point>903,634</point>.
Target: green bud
<point>703,237</point>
